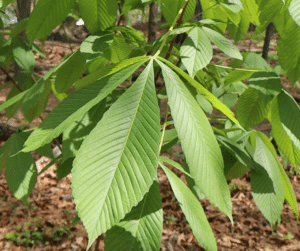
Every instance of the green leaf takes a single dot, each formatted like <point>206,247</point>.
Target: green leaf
<point>46,15</point>
<point>267,187</point>
<point>192,210</point>
<point>4,154</point>
<point>289,50</point>
<point>21,172</point>
<point>223,43</point>
<point>118,51</point>
<point>5,51</point>
<point>141,229</point>
<point>170,9</point>
<point>35,101</point>
<point>237,32</point>
<point>94,45</point>
<point>173,163</point>
<point>46,151</point>
<point>285,120</point>
<point>170,139</point>
<point>64,168</point>
<point>252,107</point>
<point>70,71</point>
<point>198,142</point>
<point>268,83</point>
<point>10,111</point>
<point>98,14</point>
<point>110,70</point>
<point>80,128</point>
<point>79,102</point>
<point>289,193</point>
<point>269,10</point>
<point>252,11</point>
<point>211,98</point>
<point>13,100</point>
<point>22,54</point>
<point>255,61</point>
<point>237,75</point>
<point>18,28</point>
<point>294,9</point>
<point>196,51</point>
<point>119,157</point>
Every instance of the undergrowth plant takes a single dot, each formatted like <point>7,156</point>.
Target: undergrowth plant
<point>109,114</point>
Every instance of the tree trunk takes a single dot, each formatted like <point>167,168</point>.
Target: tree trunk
<point>24,8</point>
<point>198,11</point>
<point>269,33</point>
<point>153,10</point>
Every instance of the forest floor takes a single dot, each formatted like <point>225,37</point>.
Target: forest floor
<point>50,219</point>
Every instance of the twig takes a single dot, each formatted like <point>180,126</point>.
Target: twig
<point>11,78</point>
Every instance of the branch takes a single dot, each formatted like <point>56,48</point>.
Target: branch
<point>11,78</point>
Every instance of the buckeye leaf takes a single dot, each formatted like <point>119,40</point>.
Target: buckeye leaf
<point>266,183</point>
<point>117,162</point>
<point>46,15</point>
<point>196,51</point>
<point>223,43</point>
<point>192,210</point>
<point>79,102</point>
<point>98,14</point>
<point>199,144</point>
<point>141,229</point>
<point>21,172</point>
<point>285,119</point>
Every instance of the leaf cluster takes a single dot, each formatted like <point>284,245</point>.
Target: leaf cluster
<point>112,129</point>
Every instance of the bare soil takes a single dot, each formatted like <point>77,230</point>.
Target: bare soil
<point>52,209</point>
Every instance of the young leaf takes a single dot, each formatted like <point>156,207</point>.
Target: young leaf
<point>98,14</point>
<point>223,43</point>
<point>196,51</point>
<point>267,187</point>
<point>78,103</point>
<point>285,120</point>
<point>71,71</point>
<point>119,157</point>
<point>198,142</point>
<point>21,172</point>
<point>141,229</point>
<point>46,15</point>
<point>192,210</point>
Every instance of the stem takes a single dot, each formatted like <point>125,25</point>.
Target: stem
<point>11,78</point>
<point>68,38</point>
<point>164,128</point>
<point>178,18</point>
